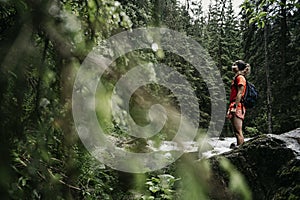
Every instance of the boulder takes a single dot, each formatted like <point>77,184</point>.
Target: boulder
<point>269,166</point>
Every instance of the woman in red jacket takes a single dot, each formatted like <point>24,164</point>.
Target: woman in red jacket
<point>236,111</point>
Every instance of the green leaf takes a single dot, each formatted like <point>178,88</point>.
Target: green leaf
<point>154,189</point>
<point>262,14</point>
<point>252,20</point>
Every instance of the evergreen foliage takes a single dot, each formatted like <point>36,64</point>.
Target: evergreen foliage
<point>43,44</point>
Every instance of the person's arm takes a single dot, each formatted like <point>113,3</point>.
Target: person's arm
<point>238,97</point>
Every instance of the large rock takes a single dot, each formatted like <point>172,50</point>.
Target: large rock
<point>270,167</point>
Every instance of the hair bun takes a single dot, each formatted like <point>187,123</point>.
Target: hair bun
<point>241,64</point>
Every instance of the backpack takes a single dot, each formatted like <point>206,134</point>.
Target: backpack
<point>251,95</point>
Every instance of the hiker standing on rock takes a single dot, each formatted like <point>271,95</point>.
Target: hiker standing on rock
<point>236,111</point>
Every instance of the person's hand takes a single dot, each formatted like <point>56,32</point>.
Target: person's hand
<point>233,110</point>
<point>228,114</point>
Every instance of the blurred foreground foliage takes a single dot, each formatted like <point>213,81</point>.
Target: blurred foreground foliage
<point>43,44</point>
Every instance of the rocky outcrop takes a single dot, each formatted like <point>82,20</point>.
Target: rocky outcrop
<point>270,167</point>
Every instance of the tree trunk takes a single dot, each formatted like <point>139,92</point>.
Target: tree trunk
<point>267,69</point>
<point>283,31</point>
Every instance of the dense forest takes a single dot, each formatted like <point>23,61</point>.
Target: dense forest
<point>43,45</point>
